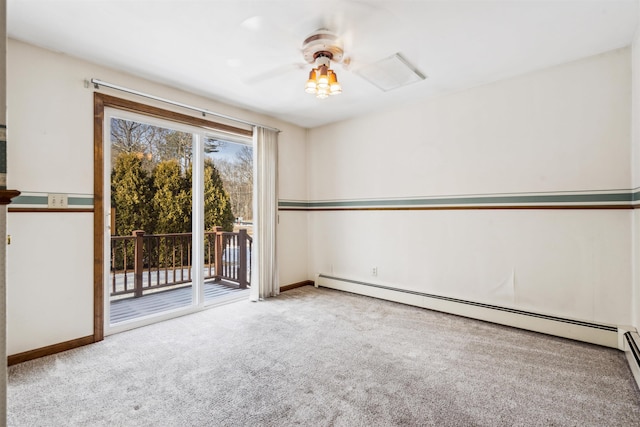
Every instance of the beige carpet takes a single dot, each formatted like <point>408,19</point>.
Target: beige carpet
<point>318,357</point>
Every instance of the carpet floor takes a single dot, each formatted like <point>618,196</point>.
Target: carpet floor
<point>319,357</point>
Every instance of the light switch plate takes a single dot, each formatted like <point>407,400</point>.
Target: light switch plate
<point>58,201</point>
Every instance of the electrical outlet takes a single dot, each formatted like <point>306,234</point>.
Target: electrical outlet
<point>58,201</point>
<point>374,271</point>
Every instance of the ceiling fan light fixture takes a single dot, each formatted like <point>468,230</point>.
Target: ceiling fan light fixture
<point>322,93</point>
<point>334,86</point>
<point>323,81</point>
<point>320,48</point>
<point>311,85</point>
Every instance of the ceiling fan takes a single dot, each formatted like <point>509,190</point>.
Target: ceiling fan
<point>321,43</point>
<point>320,48</point>
<point>325,45</point>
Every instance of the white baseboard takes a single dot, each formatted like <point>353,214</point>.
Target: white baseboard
<point>601,334</point>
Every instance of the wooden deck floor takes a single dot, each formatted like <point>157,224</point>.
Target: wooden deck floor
<point>131,308</point>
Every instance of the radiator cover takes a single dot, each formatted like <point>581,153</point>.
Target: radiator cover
<point>595,333</point>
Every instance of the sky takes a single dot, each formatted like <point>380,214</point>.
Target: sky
<point>227,151</point>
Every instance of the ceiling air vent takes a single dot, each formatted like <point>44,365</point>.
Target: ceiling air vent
<point>391,73</point>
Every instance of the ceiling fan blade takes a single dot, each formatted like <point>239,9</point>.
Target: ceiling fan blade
<point>273,73</point>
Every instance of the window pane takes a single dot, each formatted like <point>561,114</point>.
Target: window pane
<point>228,208</point>
<point>151,187</point>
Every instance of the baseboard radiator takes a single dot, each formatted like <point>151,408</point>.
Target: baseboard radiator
<point>632,343</point>
<point>606,335</point>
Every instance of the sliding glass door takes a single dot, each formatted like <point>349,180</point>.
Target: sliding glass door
<point>172,237</point>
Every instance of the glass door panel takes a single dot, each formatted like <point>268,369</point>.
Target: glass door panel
<point>151,240</point>
<point>228,219</point>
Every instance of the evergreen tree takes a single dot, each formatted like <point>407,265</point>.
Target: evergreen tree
<point>151,181</point>
<point>130,195</point>
<point>217,206</point>
<point>172,199</point>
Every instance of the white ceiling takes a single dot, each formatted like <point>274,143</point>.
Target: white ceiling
<point>248,53</point>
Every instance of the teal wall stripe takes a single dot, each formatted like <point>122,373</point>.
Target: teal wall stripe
<point>3,156</point>
<point>288,204</point>
<point>559,199</point>
<point>525,199</point>
<point>30,200</point>
<point>80,201</point>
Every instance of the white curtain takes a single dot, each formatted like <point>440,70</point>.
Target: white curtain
<point>264,275</point>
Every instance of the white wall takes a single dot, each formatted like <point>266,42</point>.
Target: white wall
<point>566,128</point>
<point>50,279</point>
<point>635,169</point>
<point>292,226</point>
<point>50,260</point>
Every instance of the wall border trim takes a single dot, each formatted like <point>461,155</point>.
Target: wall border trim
<point>596,199</point>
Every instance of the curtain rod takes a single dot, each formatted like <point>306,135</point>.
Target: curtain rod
<point>97,83</point>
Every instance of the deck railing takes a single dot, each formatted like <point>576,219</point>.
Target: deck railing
<point>141,263</point>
